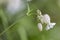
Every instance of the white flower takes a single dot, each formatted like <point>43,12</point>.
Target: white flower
<point>15,5</point>
<point>40,26</point>
<point>40,16</point>
<point>39,12</point>
<point>49,26</point>
<point>45,19</point>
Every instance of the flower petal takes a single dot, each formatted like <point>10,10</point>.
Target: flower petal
<point>49,26</point>
<point>52,25</point>
<point>46,18</point>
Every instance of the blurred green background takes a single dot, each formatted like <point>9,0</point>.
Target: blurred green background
<point>19,26</point>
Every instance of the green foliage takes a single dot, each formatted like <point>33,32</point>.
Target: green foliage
<point>23,25</point>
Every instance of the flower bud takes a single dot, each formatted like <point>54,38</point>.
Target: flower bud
<point>40,26</point>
